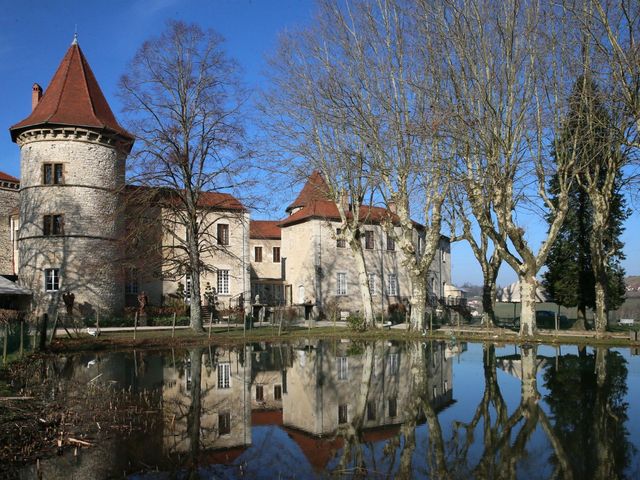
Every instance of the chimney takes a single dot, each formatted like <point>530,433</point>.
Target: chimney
<point>344,200</point>
<point>36,95</point>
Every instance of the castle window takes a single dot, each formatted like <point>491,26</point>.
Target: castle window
<point>342,284</point>
<point>340,242</point>
<point>131,281</point>
<point>343,413</point>
<point>277,392</point>
<point>343,368</point>
<point>394,364</point>
<point>372,283</point>
<point>53,225</point>
<point>52,279</point>
<point>392,284</point>
<point>258,254</point>
<point>187,287</point>
<point>224,423</point>
<point>223,282</point>
<point>52,174</point>
<point>368,239</point>
<point>391,243</point>
<point>371,410</point>
<point>276,254</point>
<point>259,393</point>
<point>224,375</point>
<point>393,407</point>
<point>223,234</point>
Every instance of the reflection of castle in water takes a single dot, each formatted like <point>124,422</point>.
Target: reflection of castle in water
<point>311,390</point>
<point>218,402</point>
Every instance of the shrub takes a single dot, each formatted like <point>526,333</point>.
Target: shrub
<point>356,322</point>
<point>397,313</point>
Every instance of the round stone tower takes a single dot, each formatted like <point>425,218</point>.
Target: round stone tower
<point>73,154</point>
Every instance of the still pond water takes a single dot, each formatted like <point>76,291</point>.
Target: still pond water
<point>345,409</point>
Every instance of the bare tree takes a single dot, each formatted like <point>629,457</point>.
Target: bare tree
<point>487,255</point>
<point>182,99</point>
<point>310,110</point>
<point>365,101</point>
<point>504,74</point>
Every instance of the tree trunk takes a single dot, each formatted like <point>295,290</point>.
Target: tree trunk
<point>581,321</point>
<point>600,319</point>
<point>528,285</point>
<point>195,311</point>
<point>195,410</point>
<point>602,421</point>
<point>599,257</point>
<point>418,303</point>
<point>489,292</point>
<point>363,281</point>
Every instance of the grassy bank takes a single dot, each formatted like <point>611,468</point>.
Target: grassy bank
<point>160,339</point>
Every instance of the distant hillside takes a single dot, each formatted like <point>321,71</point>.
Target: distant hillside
<point>632,282</point>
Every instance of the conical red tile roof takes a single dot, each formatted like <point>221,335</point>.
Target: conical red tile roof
<point>73,98</point>
<point>315,189</point>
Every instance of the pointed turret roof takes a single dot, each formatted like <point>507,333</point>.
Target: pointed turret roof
<point>73,98</point>
<point>315,189</point>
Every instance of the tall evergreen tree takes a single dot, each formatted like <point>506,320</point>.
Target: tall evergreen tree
<point>587,132</point>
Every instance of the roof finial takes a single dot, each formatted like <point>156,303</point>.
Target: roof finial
<point>75,36</point>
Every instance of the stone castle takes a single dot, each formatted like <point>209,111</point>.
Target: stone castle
<point>62,226</point>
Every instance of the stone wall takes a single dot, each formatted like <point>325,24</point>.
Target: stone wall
<point>313,262</point>
<point>9,199</point>
<point>88,251</point>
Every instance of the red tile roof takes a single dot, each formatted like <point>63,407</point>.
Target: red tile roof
<point>266,417</point>
<point>267,229</point>
<point>224,201</point>
<point>315,189</point>
<point>73,98</point>
<point>320,450</point>
<point>215,200</point>
<point>326,210</point>
<point>5,177</point>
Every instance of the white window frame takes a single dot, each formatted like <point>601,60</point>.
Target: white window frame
<point>52,277</point>
<point>392,285</point>
<point>224,375</point>
<point>371,277</point>
<point>131,286</point>
<point>394,363</point>
<point>341,284</point>
<point>188,284</point>
<point>343,368</point>
<point>223,282</point>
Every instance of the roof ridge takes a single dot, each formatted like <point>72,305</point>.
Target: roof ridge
<point>64,81</point>
<point>83,65</point>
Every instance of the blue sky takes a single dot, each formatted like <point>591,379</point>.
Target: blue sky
<point>34,36</point>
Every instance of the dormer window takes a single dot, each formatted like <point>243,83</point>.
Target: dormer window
<point>52,174</point>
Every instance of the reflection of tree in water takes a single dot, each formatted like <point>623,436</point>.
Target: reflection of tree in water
<point>587,399</point>
<point>505,436</point>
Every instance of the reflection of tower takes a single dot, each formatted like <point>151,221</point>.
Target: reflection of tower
<point>73,155</point>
